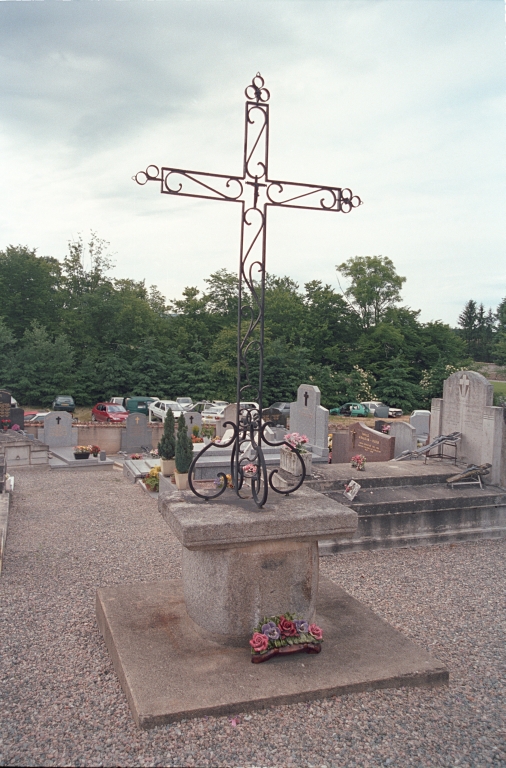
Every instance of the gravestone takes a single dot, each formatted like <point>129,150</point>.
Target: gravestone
<point>465,395</point>
<point>136,436</point>
<point>275,416</point>
<point>193,419</point>
<point>229,414</point>
<point>375,446</point>
<point>420,420</point>
<point>18,417</point>
<point>308,417</point>
<point>466,407</point>
<point>405,437</point>
<point>58,431</point>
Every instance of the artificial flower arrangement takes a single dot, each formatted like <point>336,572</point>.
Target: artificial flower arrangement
<point>358,461</point>
<point>152,481</point>
<point>279,635</point>
<point>250,470</point>
<point>136,456</point>
<point>95,450</point>
<point>154,453</point>
<point>298,441</point>
<point>219,482</point>
<point>83,449</point>
<point>6,423</point>
<point>385,429</point>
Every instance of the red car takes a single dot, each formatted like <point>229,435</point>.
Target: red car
<point>108,412</point>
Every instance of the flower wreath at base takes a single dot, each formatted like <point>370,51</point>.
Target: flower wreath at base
<point>280,635</point>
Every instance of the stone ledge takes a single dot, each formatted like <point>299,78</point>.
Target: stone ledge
<point>169,672</point>
<point>231,522</point>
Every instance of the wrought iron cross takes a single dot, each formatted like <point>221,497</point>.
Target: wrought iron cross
<point>255,191</point>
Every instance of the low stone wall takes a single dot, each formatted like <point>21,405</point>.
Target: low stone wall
<point>107,436</point>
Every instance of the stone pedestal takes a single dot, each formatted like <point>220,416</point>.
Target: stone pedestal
<point>224,588</point>
<point>240,563</point>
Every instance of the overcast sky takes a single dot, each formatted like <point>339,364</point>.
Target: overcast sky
<point>400,100</point>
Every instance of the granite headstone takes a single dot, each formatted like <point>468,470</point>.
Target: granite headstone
<point>465,396</point>
<point>5,404</point>
<point>405,437</point>
<point>58,432</point>
<point>136,436</point>
<point>18,417</point>
<point>420,420</point>
<point>275,416</point>
<point>308,417</point>
<point>193,419</point>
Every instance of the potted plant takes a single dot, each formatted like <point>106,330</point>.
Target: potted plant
<point>288,459</point>
<point>184,454</point>
<point>167,445</point>
<point>95,450</point>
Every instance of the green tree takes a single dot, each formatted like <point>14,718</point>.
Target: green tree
<point>396,387</point>
<point>374,286</point>
<point>7,350</point>
<point>43,368</point>
<point>29,290</point>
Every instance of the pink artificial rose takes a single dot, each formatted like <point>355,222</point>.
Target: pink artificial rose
<point>315,630</point>
<point>259,642</point>
<point>287,628</point>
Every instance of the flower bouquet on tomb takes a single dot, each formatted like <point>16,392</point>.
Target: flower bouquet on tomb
<point>358,462</point>
<point>282,635</point>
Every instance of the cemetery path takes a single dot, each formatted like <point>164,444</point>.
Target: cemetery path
<point>71,532</point>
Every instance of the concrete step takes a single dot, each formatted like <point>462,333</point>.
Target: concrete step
<point>423,497</point>
<point>326,484</point>
<point>421,514</point>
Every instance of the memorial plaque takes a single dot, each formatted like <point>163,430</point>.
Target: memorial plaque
<point>5,404</point>
<point>375,446</point>
<point>58,429</point>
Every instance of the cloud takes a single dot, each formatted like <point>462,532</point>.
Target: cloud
<point>401,101</point>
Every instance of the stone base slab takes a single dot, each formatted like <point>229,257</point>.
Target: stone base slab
<point>169,672</point>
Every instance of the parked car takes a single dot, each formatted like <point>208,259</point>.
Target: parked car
<point>64,403</point>
<point>35,416</point>
<point>117,400</point>
<point>283,407</point>
<point>212,416</point>
<point>109,412</point>
<point>249,406</point>
<point>373,405</point>
<point>221,403</point>
<point>201,406</point>
<point>351,409</point>
<point>184,402</point>
<point>394,413</point>
<point>158,409</point>
<point>138,404</point>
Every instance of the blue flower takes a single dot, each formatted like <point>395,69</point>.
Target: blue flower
<point>302,626</point>
<point>271,631</point>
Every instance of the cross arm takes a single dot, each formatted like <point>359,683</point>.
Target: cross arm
<point>176,181</point>
<point>289,194</point>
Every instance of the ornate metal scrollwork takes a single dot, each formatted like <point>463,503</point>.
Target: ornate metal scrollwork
<point>255,191</point>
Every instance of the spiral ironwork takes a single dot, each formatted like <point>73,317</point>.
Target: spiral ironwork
<point>255,191</point>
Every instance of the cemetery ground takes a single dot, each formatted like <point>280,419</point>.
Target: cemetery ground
<point>72,532</point>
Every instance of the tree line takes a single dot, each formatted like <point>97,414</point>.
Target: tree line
<point>69,328</point>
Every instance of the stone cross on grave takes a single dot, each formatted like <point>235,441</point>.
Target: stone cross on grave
<point>58,419</point>
<point>191,419</point>
<point>137,419</point>
<point>255,191</point>
<point>464,385</point>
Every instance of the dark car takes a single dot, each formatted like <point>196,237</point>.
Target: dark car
<point>64,403</point>
<point>110,412</point>
<point>284,408</point>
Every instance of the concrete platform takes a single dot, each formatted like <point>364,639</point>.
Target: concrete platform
<point>168,672</point>
<point>63,458</point>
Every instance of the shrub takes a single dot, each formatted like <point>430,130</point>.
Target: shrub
<point>167,445</point>
<point>184,447</point>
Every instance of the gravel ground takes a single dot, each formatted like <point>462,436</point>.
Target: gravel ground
<point>71,532</point>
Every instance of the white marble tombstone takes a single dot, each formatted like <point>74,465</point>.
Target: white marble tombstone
<point>308,417</point>
<point>465,396</point>
<point>420,420</point>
